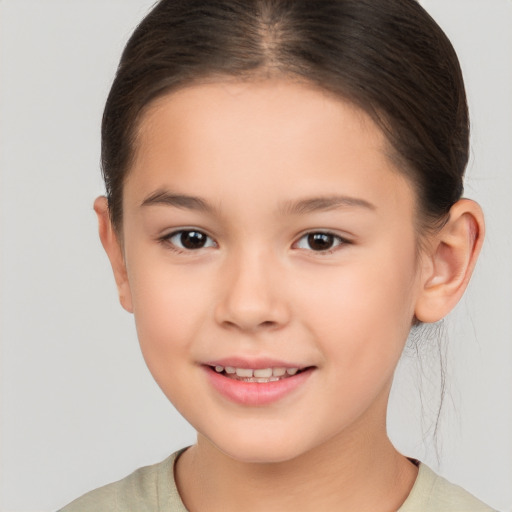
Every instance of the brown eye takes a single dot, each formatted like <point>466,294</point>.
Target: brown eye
<point>319,242</point>
<point>190,240</point>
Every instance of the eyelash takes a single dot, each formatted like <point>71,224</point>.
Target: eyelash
<point>338,240</point>
<point>167,240</point>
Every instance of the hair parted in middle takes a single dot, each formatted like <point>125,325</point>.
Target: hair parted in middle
<point>388,57</point>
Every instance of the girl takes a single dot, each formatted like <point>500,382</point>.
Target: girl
<point>284,183</point>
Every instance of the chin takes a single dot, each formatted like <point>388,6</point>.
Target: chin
<point>259,455</point>
<point>261,449</point>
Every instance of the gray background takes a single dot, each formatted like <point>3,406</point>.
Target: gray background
<point>78,407</point>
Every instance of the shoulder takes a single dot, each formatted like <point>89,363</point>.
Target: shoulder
<point>432,493</point>
<point>149,488</point>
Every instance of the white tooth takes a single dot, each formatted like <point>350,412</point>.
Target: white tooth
<point>292,371</point>
<point>261,380</point>
<point>264,372</point>
<point>219,369</point>
<point>230,369</point>
<point>244,372</point>
<point>278,372</point>
<point>273,379</point>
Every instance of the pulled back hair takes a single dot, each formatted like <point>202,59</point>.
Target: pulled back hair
<point>388,57</point>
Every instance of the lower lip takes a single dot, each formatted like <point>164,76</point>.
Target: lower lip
<point>255,393</point>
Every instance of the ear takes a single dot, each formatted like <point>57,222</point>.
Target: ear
<point>449,263</point>
<point>113,248</point>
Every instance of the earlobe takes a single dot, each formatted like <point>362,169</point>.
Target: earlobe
<point>112,246</point>
<point>451,260</point>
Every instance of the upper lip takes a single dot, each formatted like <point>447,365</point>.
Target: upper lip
<point>253,363</point>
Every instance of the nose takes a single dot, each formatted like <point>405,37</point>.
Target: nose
<point>252,295</point>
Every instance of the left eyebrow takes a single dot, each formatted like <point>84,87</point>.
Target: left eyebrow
<point>315,204</point>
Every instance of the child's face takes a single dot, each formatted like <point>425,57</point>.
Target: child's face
<point>250,173</point>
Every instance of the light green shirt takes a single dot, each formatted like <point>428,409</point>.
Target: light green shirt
<point>153,488</point>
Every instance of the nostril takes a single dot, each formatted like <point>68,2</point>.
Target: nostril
<point>249,310</point>
<point>257,326</point>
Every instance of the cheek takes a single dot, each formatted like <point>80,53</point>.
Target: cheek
<point>364,310</point>
<point>169,310</point>
<point>169,305</point>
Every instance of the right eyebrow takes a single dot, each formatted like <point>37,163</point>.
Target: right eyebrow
<point>165,197</point>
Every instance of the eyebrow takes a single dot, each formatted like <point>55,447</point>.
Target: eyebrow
<point>300,207</point>
<point>315,204</point>
<point>164,197</point>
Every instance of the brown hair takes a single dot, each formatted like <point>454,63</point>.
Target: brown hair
<point>389,57</point>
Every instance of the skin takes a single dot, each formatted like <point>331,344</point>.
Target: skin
<point>252,152</point>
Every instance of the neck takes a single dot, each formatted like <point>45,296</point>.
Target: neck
<point>354,471</point>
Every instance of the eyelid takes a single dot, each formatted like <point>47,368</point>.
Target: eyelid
<point>166,239</point>
<point>341,241</point>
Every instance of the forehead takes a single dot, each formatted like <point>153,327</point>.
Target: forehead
<point>278,106</point>
<point>277,136</point>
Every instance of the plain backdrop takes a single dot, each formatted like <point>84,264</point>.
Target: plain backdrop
<point>78,406</point>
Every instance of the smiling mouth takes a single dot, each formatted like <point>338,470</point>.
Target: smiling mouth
<point>260,375</point>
